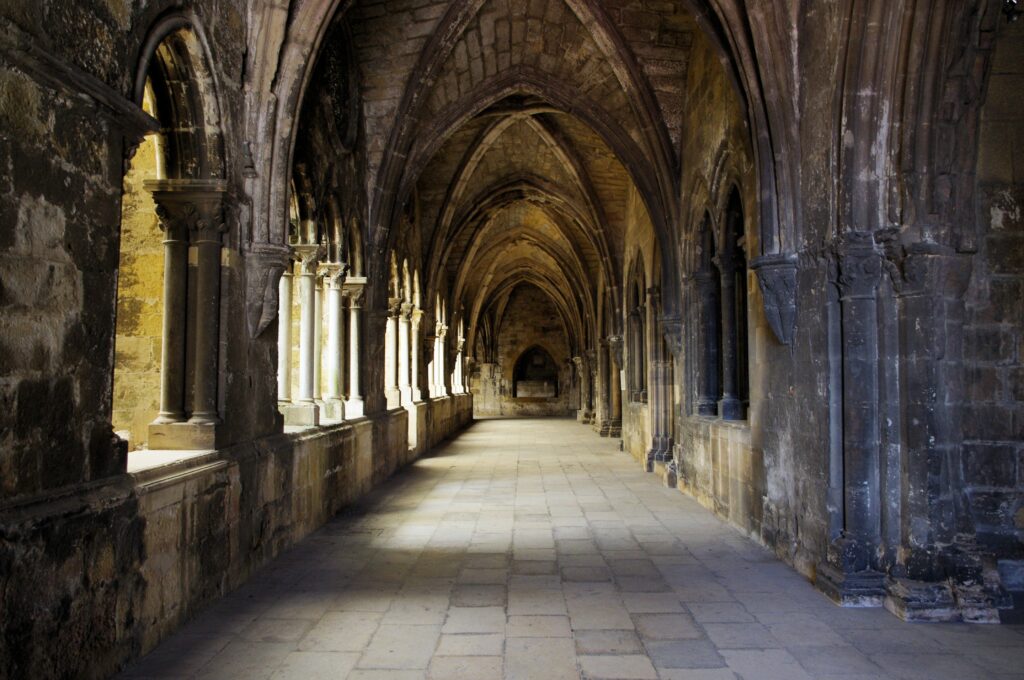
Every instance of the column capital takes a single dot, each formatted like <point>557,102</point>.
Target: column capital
<point>334,274</point>
<point>615,345</point>
<point>394,307</point>
<point>309,256</point>
<point>185,206</point>
<point>406,310</point>
<point>860,265</point>
<point>354,288</point>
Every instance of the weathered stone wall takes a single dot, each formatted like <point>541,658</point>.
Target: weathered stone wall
<point>993,455</point>
<point>94,580</point>
<point>530,319</point>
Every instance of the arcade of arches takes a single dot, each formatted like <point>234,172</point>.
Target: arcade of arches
<point>259,255</point>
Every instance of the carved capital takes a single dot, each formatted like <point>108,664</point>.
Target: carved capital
<point>860,266</point>
<point>309,257</point>
<point>334,274</point>
<point>776,274</point>
<point>672,327</point>
<point>189,206</point>
<point>354,289</point>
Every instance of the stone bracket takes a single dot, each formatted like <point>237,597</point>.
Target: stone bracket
<point>265,264</point>
<point>776,275</point>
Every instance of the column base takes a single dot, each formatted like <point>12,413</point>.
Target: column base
<point>922,601</point>
<point>707,407</point>
<point>301,414</point>
<point>392,399</point>
<point>582,416</point>
<point>354,408</point>
<point>615,428</point>
<point>603,427</point>
<point>660,452</point>
<point>731,408</point>
<point>853,589</point>
<point>184,436</point>
<point>333,409</point>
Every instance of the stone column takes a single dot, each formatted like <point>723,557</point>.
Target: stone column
<point>334,279</point>
<point>659,386</point>
<point>318,335</point>
<point>391,393</point>
<point>615,386</point>
<point>710,311</point>
<point>416,348</point>
<point>284,337</point>
<point>404,354</point>
<point>442,372</point>
<point>601,420</point>
<point>850,575</point>
<point>580,388</point>
<point>193,207</point>
<point>354,407</point>
<point>730,407</point>
<point>172,357</point>
<point>305,410</point>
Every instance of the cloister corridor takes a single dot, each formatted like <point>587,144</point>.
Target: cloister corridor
<point>533,549</point>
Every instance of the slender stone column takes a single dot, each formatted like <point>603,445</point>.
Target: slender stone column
<point>354,288</point>
<point>590,366</point>
<point>305,411</point>
<point>335,359</point>
<point>414,343</point>
<point>284,337</point>
<point>391,393</point>
<point>731,408</point>
<point>580,386</point>
<point>207,241</point>
<point>458,384</point>
<point>710,310</point>
<point>602,420</point>
<point>318,335</point>
<point>615,386</point>
<point>851,574</point>
<point>404,354</point>
<point>192,207</point>
<point>442,370</point>
<point>172,358</point>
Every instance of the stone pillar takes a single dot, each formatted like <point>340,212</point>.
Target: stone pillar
<point>615,386</point>
<point>391,393</point>
<point>318,335</point>
<point>334,364</point>
<point>354,407</point>
<point>172,359</point>
<point>730,407</point>
<point>601,420</point>
<point>710,310</point>
<point>416,349</point>
<point>284,337</point>
<point>850,575</point>
<point>442,372</point>
<point>305,410</point>
<point>582,375</point>
<point>195,208</point>
<point>404,354</point>
<point>659,386</point>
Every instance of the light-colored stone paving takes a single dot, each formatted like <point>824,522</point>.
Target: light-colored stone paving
<point>535,550</point>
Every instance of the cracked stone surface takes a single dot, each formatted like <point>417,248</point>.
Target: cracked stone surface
<point>534,549</point>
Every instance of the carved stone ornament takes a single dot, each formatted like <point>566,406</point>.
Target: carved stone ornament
<point>776,274</point>
<point>860,265</point>
<point>615,345</point>
<point>265,263</point>
<point>672,327</point>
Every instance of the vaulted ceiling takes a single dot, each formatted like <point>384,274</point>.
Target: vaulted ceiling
<point>519,128</point>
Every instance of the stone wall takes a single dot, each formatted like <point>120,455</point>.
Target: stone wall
<point>93,580</point>
<point>993,456</point>
<point>530,319</point>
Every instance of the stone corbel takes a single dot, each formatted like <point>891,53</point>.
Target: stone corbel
<point>672,327</point>
<point>615,345</point>
<point>776,274</point>
<point>265,264</point>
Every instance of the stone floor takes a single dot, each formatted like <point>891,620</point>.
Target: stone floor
<point>533,549</point>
